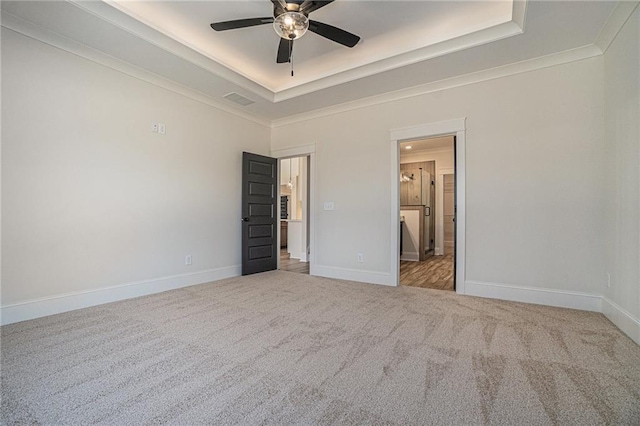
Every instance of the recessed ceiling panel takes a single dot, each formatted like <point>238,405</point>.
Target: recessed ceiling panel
<point>386,28</point>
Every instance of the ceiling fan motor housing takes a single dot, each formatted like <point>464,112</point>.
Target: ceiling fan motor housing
<point>291,25</point>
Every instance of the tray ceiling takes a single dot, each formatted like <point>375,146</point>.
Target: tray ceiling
<point>407,46</point>
<point>386,28</point>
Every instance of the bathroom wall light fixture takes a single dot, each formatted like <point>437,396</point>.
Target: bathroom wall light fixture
<point>405,177</point>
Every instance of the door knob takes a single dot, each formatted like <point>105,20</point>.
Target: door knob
<point>245,219</point>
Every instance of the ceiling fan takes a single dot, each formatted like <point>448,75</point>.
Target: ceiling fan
<point>291,21</point>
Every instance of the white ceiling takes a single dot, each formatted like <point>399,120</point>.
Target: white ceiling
<point>404,44</point>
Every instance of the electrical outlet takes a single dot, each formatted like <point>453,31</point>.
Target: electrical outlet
<point>360,258</point>
<point>187,260</point>
<point>608,280</point>
<point>162,129</point>
<point>154,127</point>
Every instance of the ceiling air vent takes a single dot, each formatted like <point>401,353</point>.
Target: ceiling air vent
<point>239,99</point>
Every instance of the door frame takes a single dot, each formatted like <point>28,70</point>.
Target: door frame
<point>456,127</point>
<point>440,203</point>
<point>302,151</point>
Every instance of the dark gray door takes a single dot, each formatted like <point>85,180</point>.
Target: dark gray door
<point>455,211</point>
<point>259,213</point>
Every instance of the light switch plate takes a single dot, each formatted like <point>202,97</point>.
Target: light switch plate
<point>328,205</point>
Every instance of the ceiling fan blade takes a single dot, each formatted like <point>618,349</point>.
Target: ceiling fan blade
<point>240,23</point>
<point>333,33</point>
<point>309,6</point>
<point>284,51</point>
<point>280,6</point>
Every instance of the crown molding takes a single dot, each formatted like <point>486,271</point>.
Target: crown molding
<point>473,39</point>
<point>616,20</point>
<point>519,12</point>
<point>27,29</point>
<point>478,38</point>
<point>552,60</point>
<point>113,13</point>
<point>125,20</point>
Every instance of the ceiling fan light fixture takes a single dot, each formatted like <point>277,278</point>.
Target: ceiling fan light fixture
<point>291,25</point>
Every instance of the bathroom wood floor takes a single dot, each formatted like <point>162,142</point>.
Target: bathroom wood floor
<point>292,265</point>
<point>435,272</point>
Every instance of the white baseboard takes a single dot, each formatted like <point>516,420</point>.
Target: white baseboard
<point>71,301</point>
<point>68,302</point>
<point>626,322</point>
<point>410,256</point>
<point>539,296</point>
<point>301,256</point>
<point>371,277</point>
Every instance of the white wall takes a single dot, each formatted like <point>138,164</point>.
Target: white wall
<point>535,182</point>
<point>622,118</point>
<point>92,198</point>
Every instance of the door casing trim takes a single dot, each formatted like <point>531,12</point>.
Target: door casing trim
<point>455,127</point>
<point>302,151</point>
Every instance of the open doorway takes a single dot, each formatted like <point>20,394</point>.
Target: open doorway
<point>427,213</point>
<point>294,214</point>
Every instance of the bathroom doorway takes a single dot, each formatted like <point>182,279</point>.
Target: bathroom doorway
<point>427,213</point>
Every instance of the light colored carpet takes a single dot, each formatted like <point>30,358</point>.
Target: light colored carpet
<point>288,348</point>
